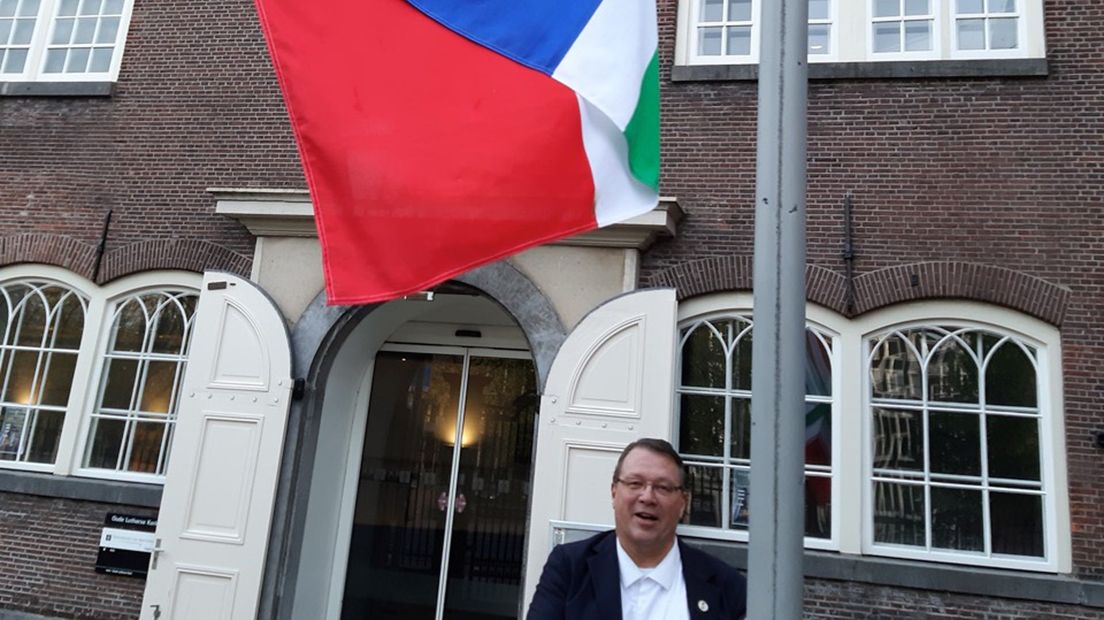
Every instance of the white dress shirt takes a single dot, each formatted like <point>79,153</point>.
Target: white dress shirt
<point>653,593</point>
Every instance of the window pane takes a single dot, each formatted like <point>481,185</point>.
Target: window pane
<point>819,39</point>
<point>701,425</point>
<point>7,8</point>
<point>6,26</point>
<point>1013,444</point>
<point>887,37</point>
<point>741,494</point>
<point>703,359</point>
<point>55,61</point>
<point>898,440</point>
<point>955,443</point>
<point>145,447</point>
<point>13,423</point>
<point>63,31</point>
<point>1002,6</point>
<point>172,326</point>
<point>119,389</point>
<point>952,374</point>
<point>158,391</point>
<point>15,61</point>
<point>59,379</point>
<point>86,29</point>
<point>113,7</point>
<point>712,10</point>
<point>818,367</point>
<point>971,34</point>
<point>818,433</point>
<point>739,10</point>
<point>69,323</point>
<point>90,7</point>
<point>107,442</point>
<point>887,8</point>
<point>819,9</point>
<point>918,36</point>
<point>706,487</point>
<point>1002,34</point>
<point>67,7</point>
<point>818,506</point>
<point>1010,378</point>
<point>47,434</point>
<point>130,327</point>
<point>739,40</point>
<point>29,8</point>
<point>1016,523</point>
<point>709,41</point>
<point>917,7</point>
<point>741,360</point>
<point>899,513</point>
<point>970,6</point>
<point>33,323</point>
<point>109,27</point>
<point>78,60</point>
<point>956,519</point>
<point>21,378</point>
<point>24,29</point>
<point>741,428</point>
<point>101,60</point>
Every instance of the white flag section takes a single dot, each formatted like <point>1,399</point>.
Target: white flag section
<point>216,511</point>
<point>612,382</point>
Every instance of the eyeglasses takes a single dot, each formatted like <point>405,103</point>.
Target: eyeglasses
<point>661,489</point>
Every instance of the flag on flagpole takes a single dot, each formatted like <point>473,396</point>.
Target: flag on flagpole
<point>440,135</point>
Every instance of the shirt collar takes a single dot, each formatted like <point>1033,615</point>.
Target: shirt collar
<point>665,573</point>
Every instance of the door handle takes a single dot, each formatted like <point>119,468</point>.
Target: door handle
<point>153,560</point>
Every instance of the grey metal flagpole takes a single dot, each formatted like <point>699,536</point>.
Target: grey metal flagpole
<point>777,502</point>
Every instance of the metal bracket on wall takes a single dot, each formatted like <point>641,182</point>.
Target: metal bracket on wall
<point>1098,439</point>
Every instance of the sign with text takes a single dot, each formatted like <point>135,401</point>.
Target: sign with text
<point>125,544</point>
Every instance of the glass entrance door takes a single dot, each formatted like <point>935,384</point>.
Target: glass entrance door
<point>439,521</point>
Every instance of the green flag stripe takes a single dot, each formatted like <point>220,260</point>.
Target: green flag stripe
<point>642,132</point>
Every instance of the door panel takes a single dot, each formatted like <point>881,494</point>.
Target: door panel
<point>404,499</point>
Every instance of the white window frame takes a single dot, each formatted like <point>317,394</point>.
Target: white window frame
<point>728,304</point>
<point>936,16</point>
<point>1023,13</point>
<point>852,453</point>
<point>852,36</point>
<point>88,371</point>
<point>46,22</point>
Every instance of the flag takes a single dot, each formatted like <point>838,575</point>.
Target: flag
<point>437,136</point>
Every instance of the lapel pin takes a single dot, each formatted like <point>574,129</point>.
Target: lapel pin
<point>702,605</point>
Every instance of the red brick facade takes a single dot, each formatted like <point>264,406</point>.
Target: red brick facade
<point>986,189</point>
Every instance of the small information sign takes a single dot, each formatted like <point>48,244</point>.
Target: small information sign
<point>125,544</point>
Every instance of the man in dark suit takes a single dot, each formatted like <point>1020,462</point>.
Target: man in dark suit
<point>640,570</point>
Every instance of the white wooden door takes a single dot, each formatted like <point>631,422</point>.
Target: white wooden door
<point>612,382</point>
<point>216,510</point>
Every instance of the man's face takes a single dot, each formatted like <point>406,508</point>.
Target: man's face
<point>646,518</point>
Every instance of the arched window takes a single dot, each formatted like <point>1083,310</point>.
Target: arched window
<point>132,423</point>
<point>955,421</point>
<point>90,375</point>
<point>714,422</point>
<point>42,324</point>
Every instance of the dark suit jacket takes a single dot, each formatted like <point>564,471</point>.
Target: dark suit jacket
<point>581,581</point>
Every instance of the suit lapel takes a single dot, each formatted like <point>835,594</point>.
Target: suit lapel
<point>606,577</point>
<point>702,595</point>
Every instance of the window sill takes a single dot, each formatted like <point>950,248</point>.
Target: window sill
<point>85,489</point>
<point>1015,67</point>
<point>988,582</point>
<point>56,89</point>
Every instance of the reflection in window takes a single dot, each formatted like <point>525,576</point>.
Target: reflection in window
<point>715,423</point>
<point>955,425</point>
<point>987,25</point>
<point>42,324</point>
<point>902,25</point>
<point>132,425</point>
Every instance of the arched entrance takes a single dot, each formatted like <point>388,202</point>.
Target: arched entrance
<point>420,481</point>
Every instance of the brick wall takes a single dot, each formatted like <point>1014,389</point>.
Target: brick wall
<point>48,561</point>
<point>1001,172</point>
